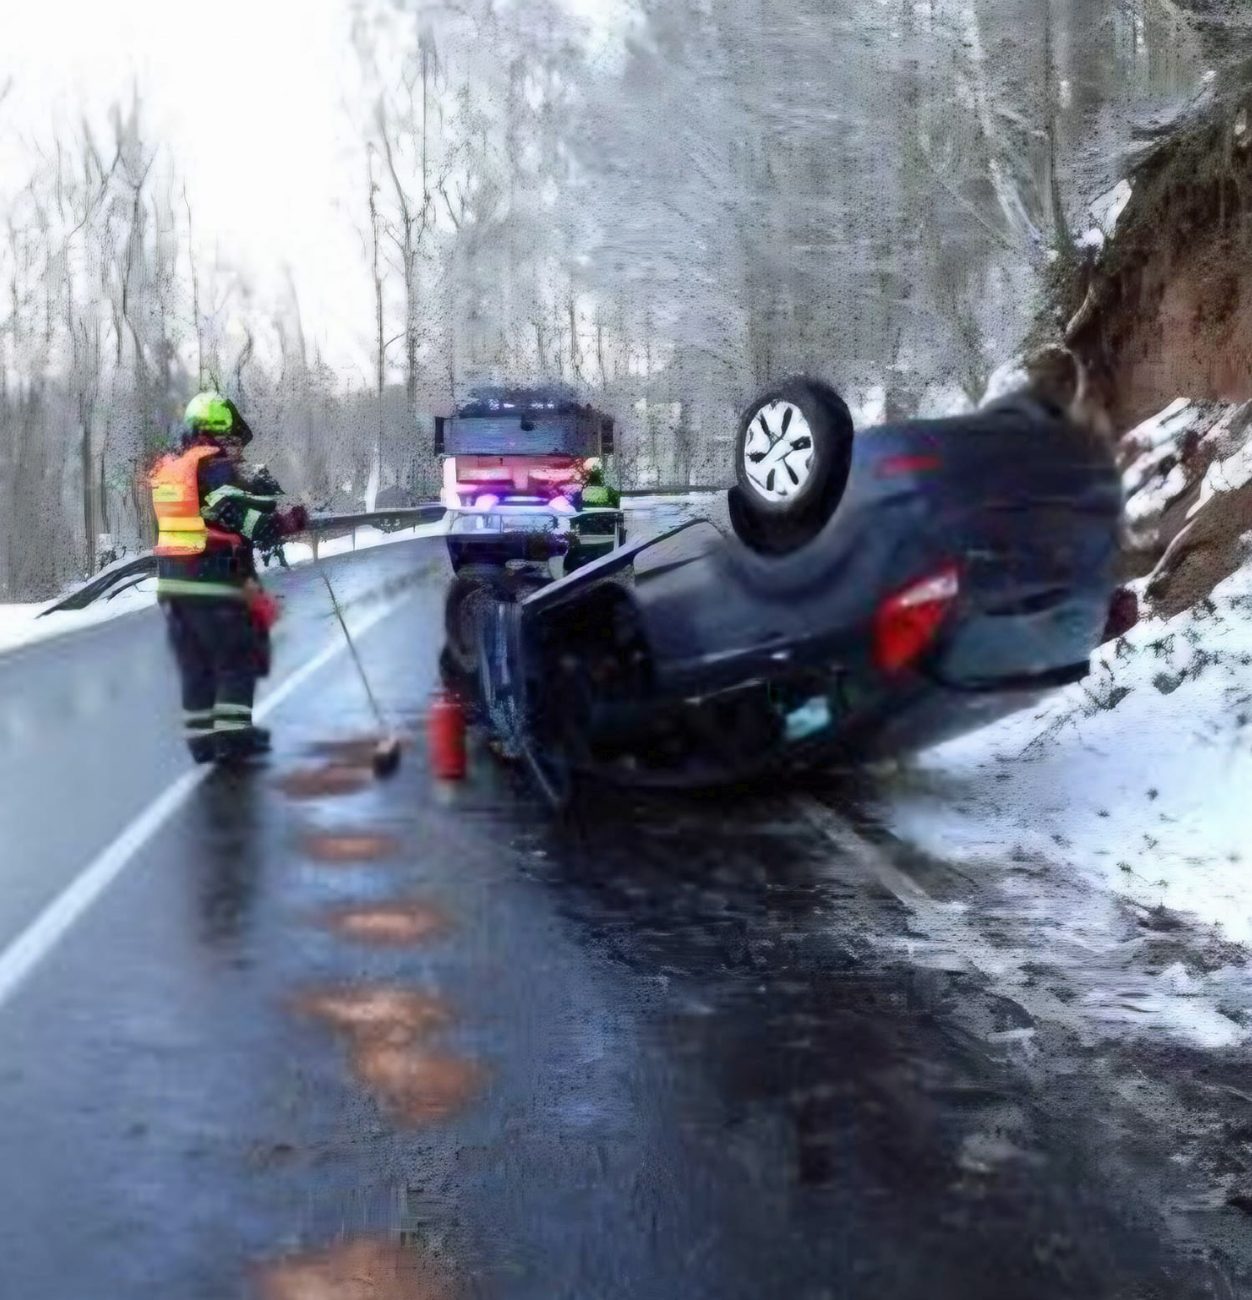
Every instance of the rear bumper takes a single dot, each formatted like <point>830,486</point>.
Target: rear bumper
<point>1009,684</point>
<point>936,712</point>
<point>987,668</point>
<point>1015,650</point>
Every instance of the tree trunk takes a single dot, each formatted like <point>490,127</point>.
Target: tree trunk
<point>1060,223</point>
<point>87,469</point>
<point>380,346</point>
<point>1012,208</point>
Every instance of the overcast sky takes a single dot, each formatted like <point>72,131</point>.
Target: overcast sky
<point>250,95</point>
<point>253,99</point>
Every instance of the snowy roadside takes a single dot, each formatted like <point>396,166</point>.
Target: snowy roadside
<point>1117,810</point>
<point>22,625</point>
<point>1076,877</point>
<point>1142,773</point>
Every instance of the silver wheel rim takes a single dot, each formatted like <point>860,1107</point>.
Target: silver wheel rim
<point>778,451</point>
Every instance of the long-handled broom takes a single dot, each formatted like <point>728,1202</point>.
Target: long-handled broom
<point>386,757</point>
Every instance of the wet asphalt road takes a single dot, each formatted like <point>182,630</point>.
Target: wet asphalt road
<point>651,1053</point>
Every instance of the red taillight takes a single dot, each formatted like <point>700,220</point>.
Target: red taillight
<point>919,464</point>
<point>906,624</point>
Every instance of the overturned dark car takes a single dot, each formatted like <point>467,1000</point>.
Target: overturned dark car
<point>881,592</point>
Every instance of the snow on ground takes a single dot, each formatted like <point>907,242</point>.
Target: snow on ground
<point>1106,212</point>
<point>1108,208</point>
<point>1161,430</point>
<point>1156,439</point>
<point>1008,378</point>
<point>1135,782</point>
<point>1114,814</point>
<point>366,537</point>
<point>1141,774</point>
<point>652,515</point>
<point>648,505</point>
<point>1224,476</point>
<point>1149,503</point>
<point>22,624</point>
<point>867,406</point>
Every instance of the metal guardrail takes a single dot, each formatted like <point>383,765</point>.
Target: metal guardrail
<point>117,577</point>
<point>401,516</point>
<point>672,490</point>
<point>135,569</point>
<point>326,526</point>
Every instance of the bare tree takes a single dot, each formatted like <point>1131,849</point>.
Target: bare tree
<point>195,290</point>
<point>380,345</point>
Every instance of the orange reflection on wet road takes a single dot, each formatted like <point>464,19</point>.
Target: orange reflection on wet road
<point>321,782</point>
<point>361,1269</point>
<point>395,924</point>
<point>349,849</point>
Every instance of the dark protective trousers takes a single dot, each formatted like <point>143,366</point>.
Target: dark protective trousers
<point>220,654</point>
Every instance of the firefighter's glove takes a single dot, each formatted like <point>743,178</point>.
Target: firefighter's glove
<point>295,520</point>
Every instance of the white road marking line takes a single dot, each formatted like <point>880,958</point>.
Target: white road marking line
<point>38,939</point>
<point>862,851</point>
<point>951,938</point>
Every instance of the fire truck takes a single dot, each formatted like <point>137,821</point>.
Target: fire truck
<point>520,445</point>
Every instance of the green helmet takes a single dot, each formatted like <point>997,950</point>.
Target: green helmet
<point>211,413</point>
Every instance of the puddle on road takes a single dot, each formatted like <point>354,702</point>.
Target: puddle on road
<point>320,782</point>
<point>346,850</point>
<point>387,925</point>
<point>360,1269</point>
<point>416,1087</point>
<point>357,751</point>
<point>386,1029</point>
<point>377,1014</point>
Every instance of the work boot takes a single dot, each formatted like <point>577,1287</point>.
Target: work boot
<point>198,732</point>
<point>239,744</point>
<point>203,749</point>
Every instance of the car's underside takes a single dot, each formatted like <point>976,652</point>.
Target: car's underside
<point>944,574</point>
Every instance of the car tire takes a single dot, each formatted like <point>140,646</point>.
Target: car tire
<point>767,536</point>
<point>792,457</point>
<point>470,587</point>
<point>521,585</point>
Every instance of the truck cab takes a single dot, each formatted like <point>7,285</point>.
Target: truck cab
<point>529,446</point>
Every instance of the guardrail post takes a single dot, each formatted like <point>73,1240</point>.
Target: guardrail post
<point>315,537</point>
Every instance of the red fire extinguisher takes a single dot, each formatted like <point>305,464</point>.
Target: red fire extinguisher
<point>446,735</point>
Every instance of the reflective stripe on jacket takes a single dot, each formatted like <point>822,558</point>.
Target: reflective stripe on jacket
<point>600,495</point>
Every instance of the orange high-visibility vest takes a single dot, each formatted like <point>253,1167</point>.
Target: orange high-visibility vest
<point>175,483</point>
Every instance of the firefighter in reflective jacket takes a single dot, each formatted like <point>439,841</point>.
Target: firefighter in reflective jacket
<point>209,517</point>
<point>597,492</point>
